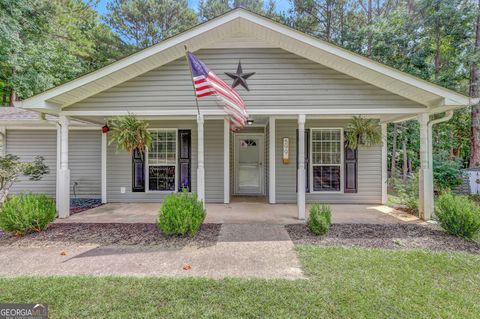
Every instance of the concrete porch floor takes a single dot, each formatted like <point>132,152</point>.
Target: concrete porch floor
<point>241,213</point>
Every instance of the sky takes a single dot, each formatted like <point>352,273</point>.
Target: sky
<point>282,5</point>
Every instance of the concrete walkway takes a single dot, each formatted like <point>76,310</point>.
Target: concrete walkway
<point>245,250</point>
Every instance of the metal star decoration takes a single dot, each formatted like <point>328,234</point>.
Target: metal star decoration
<point>240,77</point>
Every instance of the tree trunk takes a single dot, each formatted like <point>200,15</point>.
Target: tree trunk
<point>13,96</point>
<point>475,93</point>
<point>370,34</point>
<point>393,168</point>
<point>405,160</point>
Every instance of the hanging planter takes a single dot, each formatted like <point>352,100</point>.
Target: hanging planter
<point>129,133</point>
<point>363,132</point>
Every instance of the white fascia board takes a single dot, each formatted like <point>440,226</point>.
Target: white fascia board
<point>250,111</point>
<point>455,97</point>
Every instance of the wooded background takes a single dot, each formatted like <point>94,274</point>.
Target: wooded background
<point>44,43</point>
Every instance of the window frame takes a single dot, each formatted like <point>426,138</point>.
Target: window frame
<point>342,160</point>
<point>147,165</point>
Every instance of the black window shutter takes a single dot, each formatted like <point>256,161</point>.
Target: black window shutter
<point>184,159</point>
<point>138,171</point>
<point>351,170</point>
<point>307,161</point>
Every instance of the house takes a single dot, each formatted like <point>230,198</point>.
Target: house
<point>302,95</point>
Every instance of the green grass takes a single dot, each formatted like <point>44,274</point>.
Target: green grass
<point>342,283</point>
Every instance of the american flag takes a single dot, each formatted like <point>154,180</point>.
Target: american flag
<point>208,83</point>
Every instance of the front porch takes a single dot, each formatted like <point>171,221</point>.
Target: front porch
<point>242,212</point>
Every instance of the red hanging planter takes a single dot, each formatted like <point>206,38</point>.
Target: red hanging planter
<point>105,128</point>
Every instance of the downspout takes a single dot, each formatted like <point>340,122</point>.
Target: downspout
<point>447,117</point>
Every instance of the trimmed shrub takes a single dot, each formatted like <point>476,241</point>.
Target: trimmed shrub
<point>458,215</point>
<point>27,212</point>
<point>181,214</point>
<point>407,191</point>
<point>320,219</point>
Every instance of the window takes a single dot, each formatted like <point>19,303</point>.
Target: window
<point>327,157</point>
<point>162,161</point>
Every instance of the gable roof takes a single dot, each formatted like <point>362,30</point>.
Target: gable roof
<point>264,29</point>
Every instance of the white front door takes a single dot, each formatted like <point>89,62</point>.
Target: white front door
<point>249,168</point>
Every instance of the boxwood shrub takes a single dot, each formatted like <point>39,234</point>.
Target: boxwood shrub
<point>181,214</point>
<point>458,215</point>
<point>319,220</point>
<point>27,212</point>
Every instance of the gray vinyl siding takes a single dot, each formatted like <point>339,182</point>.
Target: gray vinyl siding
<point>119,167</point>
<point>30,143</point>
<point>369,169</point>
<point>214,161</point>
<point>282,80</point>
<point>84,160</point>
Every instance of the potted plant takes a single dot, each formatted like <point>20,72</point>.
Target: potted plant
<point>362,132</point>
<point>130,133</point>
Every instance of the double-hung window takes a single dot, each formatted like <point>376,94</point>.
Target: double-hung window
<point>326,160</point>
<point>162,161</point>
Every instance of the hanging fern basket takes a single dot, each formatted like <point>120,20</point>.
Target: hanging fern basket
<point>363,132</point>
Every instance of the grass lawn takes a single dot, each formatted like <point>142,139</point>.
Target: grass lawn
<point>342,283</point>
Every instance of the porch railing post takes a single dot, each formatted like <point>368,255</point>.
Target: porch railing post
<point>301,167</point>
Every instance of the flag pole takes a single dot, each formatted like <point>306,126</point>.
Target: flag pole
<point>191,76</point>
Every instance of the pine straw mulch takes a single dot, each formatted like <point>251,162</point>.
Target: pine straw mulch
<point>389,236</point>
<point>115,234</point>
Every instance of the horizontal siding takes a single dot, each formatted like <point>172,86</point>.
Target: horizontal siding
<point>369,168</point>
<point>119,168</point>
<point>84,160</point>
<point>282,80</point>
<point>214,161</point>
<point>27,144</point>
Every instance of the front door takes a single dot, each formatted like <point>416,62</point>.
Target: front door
<point>249,168</point>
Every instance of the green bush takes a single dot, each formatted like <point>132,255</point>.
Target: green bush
<point>447,171</point>
<point>27,212</point>
<point>407,192</point>
<point>458,215</point>
<point>320,219</point>
<point>181,214</point>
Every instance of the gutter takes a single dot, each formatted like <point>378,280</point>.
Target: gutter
<point>447,117</point>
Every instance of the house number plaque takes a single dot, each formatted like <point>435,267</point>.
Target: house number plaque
<point>286,149</point>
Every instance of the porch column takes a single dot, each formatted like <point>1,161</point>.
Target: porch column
<point>226,161</point>
<point>104,167</point>
<point>63,205</point>
<point>301,167</point>
<point>384,164</point>
<point>271,160</point>
<point>425,198</point>
<point>201,156</point>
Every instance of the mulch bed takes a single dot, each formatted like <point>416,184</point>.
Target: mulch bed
<point>390,236</point>
<point>78,205</point>
<point>111,234</point>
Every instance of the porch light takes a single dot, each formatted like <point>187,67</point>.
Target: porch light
<point>105,129</point>
<point>249,122</point>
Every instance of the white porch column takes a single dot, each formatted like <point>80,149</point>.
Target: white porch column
<point>3,141</point>
<point>63,205</point>
<point>271,160</point>
<point>301,167</point>
<point>201,160</point>
<point>384,164</point>
<point>104,167</point>
<point>59,161</point>
<point>226,162</point>
<point>425,198</point>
